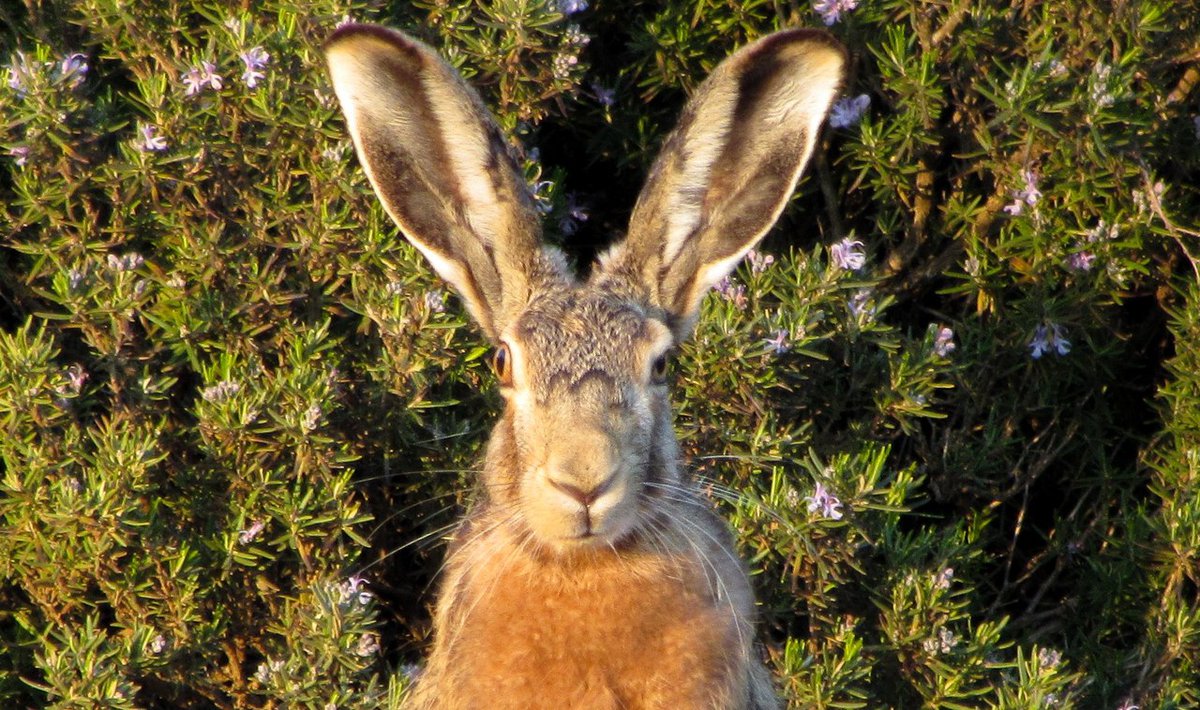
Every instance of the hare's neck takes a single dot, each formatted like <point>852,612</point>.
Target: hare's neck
<point>669,617</point>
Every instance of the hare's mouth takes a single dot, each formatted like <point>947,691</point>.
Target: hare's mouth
<point>568,517</point>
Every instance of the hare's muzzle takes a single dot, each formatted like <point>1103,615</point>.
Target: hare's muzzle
<point>578,493</point>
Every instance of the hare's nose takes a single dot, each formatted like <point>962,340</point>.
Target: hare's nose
<point>584,493</point>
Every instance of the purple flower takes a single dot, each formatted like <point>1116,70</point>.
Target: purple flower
<point>824,502</point>
<point>353,591</point>
<point>779,343</point>
<point>606,97</point>
<point>18,72</point>
<point>832,10</point>
<point>847,112</point>
<point>248,535</point>
<point>570,7</point>
<point>73,69</point>
<point>1081,261</point>
<point>574,36</point>
<point>943,343</point>
<point>1029,195</point>
<point>204,75</point>
<point>732,291</point>
<point>221,391</point>
<point>127,262</point>
<point>1048,337</point>
<point>859,304</point>
<point>563,63</point>
<point>150,140</point>
<point>435,301</point>
<point>576,213</point>
<point>20,155</point>
<point>759,262</point>
<point>848,254</point>
<point>943,579</point>
<point>256,60</point>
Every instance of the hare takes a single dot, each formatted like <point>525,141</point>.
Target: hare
<point>590,572</point>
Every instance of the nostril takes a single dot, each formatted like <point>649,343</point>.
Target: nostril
<point>585,496</point>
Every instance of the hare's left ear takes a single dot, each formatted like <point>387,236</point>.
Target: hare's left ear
<point>441,167</point>
<point>727,171</point>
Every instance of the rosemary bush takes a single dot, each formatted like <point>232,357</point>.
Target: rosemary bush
<point>951,405</point>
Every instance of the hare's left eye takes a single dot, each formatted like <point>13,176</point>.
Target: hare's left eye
<point>658,370</point>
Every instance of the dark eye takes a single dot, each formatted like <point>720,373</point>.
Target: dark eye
<point>501,365</point>
<point>658,370</point>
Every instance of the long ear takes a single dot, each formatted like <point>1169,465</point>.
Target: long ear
<point>727,171</point>
<point>440,166</point>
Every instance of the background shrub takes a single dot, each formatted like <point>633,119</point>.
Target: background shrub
<point>950,405</point>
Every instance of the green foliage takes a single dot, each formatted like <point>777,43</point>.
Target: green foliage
<point>953,417</point>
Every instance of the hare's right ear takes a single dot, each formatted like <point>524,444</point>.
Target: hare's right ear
<point>727,171</point>
<point>440,166</point>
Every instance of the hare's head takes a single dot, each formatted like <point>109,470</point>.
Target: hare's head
<point>585,454</point>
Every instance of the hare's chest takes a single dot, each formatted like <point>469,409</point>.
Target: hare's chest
<point>595,642</point>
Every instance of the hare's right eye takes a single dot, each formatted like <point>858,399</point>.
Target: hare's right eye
<point>501,365</point>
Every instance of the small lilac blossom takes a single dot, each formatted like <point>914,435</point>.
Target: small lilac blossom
<point>73,69</point>
<point>824,502</point>
<point>76,278</point>
<point>571,7</point>
<point>221,391</point>
<point>1048,337</point>
<point>18,73</point>
<point>311,417</point>
<point>353,591</point>
<point>267,669</point>
<point>158,645</point>
<point>848,111</point>
<point>1049,658</point>
<point>859,304</point>
<point>76,378</point>
<point>848,254</point>
<point>247,536</point>
<point>126,262</point>
<point>732,291</point>
<point>367,646</point>
<point>575,37</point>
<point>435,301</point>
<point>256,60</point>
<point>1102,231</point>
<point>20,155</point>
<point>563,63</point>
<point>945,642</point>
<point>780,343</point>
<point>204,75</point>
<point>943,579</point>
<point>1081,261</point>
<point>759,262</point>
<point>605,96</point>
<point>576,213</point>
<point>943,342</point>
<point>1196,125</point>
<point>150,140</point>
<point>832,10</point>
<point>1098,89</point>
<point>1028,195</point>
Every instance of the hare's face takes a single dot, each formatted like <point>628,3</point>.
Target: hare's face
<point>583,373</point>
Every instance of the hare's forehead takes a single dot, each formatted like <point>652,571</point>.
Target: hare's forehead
<point>585,332</point>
